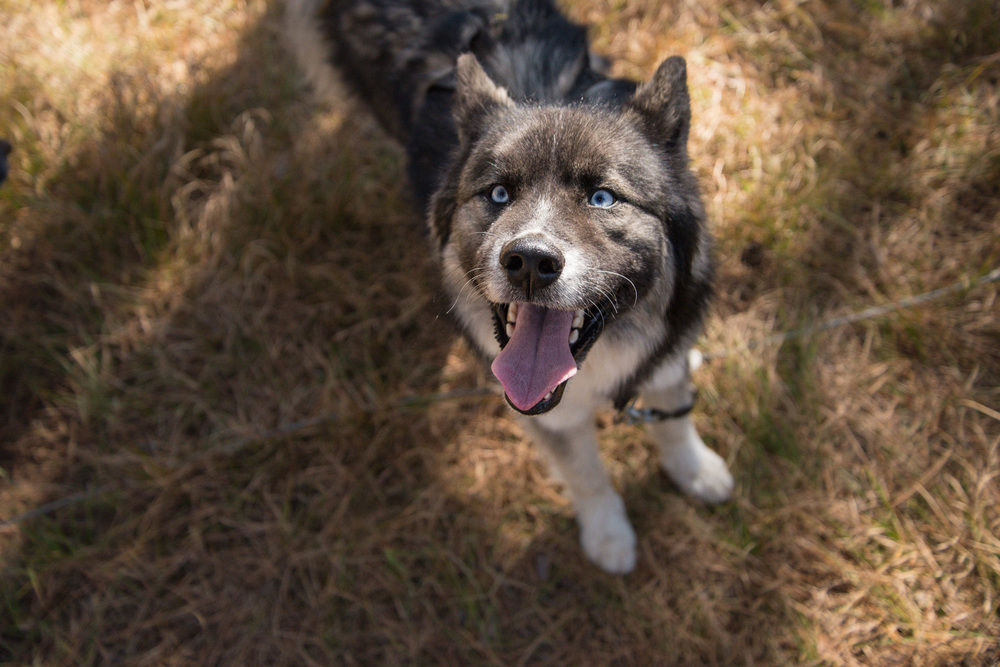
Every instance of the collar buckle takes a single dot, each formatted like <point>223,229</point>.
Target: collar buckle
<point>630,414</point>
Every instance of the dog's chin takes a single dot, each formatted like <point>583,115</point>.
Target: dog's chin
<point>585,335</point>
<point>550,401</point>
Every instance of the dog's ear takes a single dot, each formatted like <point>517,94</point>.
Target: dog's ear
<point>664,104</point>
<point>475,97</point>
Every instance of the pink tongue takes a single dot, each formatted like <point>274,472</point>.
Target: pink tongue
<point>537,357</point>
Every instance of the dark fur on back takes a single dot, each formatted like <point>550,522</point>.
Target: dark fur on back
<point>400,58</point>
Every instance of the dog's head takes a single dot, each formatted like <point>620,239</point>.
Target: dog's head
<point>559,223</point>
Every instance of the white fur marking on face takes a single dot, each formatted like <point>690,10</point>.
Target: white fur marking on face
<point>575,270</point>
<point>542,221</point>
<point>471,308</point>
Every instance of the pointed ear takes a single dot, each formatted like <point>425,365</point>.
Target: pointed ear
<point>475,97</point>
<point>664,104</point>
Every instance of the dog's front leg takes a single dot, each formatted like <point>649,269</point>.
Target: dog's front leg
<point>570,445</point>
<point>695,468</point>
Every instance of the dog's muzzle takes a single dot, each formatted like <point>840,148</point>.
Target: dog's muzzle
<point>540,350</point>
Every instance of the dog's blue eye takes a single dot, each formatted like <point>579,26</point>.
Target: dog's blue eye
<point>602,198</point>
<point>499,195</point>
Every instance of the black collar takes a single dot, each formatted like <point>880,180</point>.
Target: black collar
<point>630,414</point>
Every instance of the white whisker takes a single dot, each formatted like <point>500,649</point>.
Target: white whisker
<point>471,276</point>
<point>634,289</point>
<point>609,297</point>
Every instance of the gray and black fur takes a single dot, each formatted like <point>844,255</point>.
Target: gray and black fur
<point>400,58</point>
<point>552,192</point>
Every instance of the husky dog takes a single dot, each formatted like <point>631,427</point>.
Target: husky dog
<point>568,227</point>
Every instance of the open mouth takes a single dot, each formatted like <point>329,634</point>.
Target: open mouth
<point>540,350</point>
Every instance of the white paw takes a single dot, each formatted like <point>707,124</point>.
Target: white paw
<point>697,470</point>
<point>606,534</point>
<point>712,483</point>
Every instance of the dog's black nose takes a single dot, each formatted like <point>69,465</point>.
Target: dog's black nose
<point>531,263</point>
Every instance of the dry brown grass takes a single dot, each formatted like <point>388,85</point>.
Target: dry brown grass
<point>193,254</point>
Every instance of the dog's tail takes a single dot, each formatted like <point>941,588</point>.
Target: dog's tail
<point>306,41</point>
